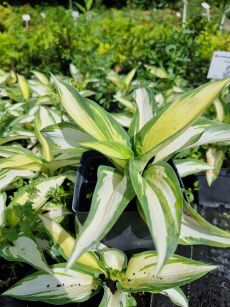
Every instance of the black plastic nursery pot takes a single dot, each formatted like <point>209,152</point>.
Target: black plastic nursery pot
<point>131,235</point>
<point>218,194</point>
<point>214,205</point>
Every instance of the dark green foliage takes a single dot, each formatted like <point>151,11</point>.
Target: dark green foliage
<point>27,222</point>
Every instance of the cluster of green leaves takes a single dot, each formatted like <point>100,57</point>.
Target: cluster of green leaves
<point>28,221</point>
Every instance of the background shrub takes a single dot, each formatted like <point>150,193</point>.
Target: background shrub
<point>102,39</point>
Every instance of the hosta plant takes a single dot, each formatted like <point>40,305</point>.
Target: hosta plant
<point>215,154</point>
<point>26,107</point>
<point>164,87</point>
<point>31,172</point>
<point>104,268</point>
<point>140,170</point>
<point>140,167</point>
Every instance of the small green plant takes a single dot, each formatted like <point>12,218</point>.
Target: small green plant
<point>87,5</point>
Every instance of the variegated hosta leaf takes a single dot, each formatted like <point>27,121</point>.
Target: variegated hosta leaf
<point>116,79</point>
<point>196,230</point>
<point>117,299</point>
<point>65,136</point>
<point>159,131</point>
<point>63,286</point>
<point>26,250</point>
<point>219,107</point>
<point>22,161</point>
<point>43,119</point>
<point>157,71</point>
<point>4,77</point>
<point>222,111</point>
<point>21,120</point>
<point>70,175</point>
<point>65,243</point>
<point>16,110</point>
<point>218,133</point>
<point>112,194</point>
<point>54,211</point>
<point>141,274</point>
<point>41,77</point>
<point>9,176</point>
<point>189,136</point>
<point>160,196</point>
<point>113,259</point>
<point>2,208</point>
<point>129,77</point>
<point>146,105</point>
<point>110,149</point>
<point>123,119</point>
<point>160,99</point>
<point>40,90</point>
<point>58,118</point>
<point>87,93</point>
<point>112,130</point>
<point>38,197</point>
<point>43,244</point>
<point>24,87</point>
<point>176,295</point>
<point>35,167</point>
<point>145,111</point>
<point>186,167</point>
<point>13,135</point>
<point>75,73</point>
<point>56,163</point>
<point>68,154</point>
<point>90,116</point>
<point>8,151</point>
<point>126,102</point>
<point>215,158</point>
<point>42,187</point>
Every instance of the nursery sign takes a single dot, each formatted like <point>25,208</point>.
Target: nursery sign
<point>26,17</point>
<point>220,65</point>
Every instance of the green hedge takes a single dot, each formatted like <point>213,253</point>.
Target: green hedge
<point>100,40</point>
<point>143,4</point>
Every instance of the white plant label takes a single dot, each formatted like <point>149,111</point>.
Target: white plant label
<point>184,18</point>
<point>205,5</point>
<point>220,65</point>
<point>75,15</point>
<point>26,17</point>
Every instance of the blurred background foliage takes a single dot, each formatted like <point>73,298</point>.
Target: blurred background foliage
<point>143,32</point>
